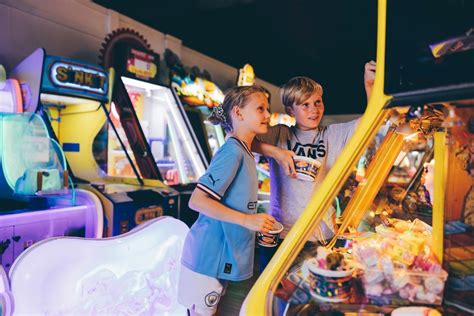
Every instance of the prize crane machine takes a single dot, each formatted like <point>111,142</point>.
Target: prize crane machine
<point>152,118</point>
<point>37,197</point>
<point>404,183</point>
<point>72,97</point>
<point>199,95</point>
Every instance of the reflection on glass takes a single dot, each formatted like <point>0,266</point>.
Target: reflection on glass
<point>164,127</point>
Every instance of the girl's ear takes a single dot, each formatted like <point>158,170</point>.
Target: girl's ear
<point>237,113</point>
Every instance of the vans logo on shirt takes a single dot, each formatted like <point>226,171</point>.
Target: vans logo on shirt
<point>212,179</point>
<point>228,268</point>
<point>310,150</point>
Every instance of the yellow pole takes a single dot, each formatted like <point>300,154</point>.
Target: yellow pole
<point>439,193</point>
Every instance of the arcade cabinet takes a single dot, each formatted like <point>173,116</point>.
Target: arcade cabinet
<point>38,199</point>
<point>72,98</point>
<point>403,182</point>
<point>151,116</point>
<point>199,95</point>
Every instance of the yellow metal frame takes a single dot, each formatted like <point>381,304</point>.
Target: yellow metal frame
<point>259,300</point>
<point>439,193</point>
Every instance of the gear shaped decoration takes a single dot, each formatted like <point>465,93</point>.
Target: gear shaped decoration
<point>122,35</point>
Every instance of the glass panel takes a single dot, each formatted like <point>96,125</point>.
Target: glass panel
<point>383,252</point>
<point>177,156</point>
<point>31,162</point>
<point>117,162</point>
<point>215,135</point>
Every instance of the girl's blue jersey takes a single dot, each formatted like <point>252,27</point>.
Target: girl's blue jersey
<point>221,249</point>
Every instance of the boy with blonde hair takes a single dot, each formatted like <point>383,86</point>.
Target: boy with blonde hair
<point>303,99</point>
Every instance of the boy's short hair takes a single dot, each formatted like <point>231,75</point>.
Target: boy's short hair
<point>297,90</point>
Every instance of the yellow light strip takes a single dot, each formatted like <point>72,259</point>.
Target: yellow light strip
<point>439,194</point>
<point>366,192</point>
<point>386,143</point>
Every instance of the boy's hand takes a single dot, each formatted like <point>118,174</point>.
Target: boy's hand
<point>258,222</point>
<point>285,159</point>
<point>369,77</point>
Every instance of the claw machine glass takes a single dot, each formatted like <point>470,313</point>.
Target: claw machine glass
<point>157,128</point>
<point>72,96</point>
<point>402,185</point>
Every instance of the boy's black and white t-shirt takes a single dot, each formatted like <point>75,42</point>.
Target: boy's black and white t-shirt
<point>289,196</point>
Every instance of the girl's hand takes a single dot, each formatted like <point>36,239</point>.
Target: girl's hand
<point>258,222</point>
<point>285,159</point>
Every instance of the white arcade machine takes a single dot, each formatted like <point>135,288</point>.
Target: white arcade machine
<point>132,274</point>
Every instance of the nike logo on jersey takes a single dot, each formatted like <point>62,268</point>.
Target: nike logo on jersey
<point>212,179</point>
<point>310,150</point>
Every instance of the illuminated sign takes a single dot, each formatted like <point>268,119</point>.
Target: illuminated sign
<point>246,76</point>
<point>74,76</point>
<point>141,64</point>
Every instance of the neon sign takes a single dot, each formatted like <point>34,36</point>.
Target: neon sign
<point>73,76</point>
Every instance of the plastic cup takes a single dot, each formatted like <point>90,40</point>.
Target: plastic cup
<point>306,168</point>
<point>272,238</point>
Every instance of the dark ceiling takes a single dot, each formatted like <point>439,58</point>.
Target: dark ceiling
<point>329,41</point>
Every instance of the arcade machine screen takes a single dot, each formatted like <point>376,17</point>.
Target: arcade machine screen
<point>172,145</point>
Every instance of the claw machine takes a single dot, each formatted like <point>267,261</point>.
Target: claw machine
<point>403,185</point>
<point>158,131</point>
<point>73,98</point>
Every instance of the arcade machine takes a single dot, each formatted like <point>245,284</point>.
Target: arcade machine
<point>10,95</point>
<point>135,273</point>
<point>199,95</point>
<point>157,129</point>
<point>72,97</point>
<point>37,198</point>
<point>405,236</point>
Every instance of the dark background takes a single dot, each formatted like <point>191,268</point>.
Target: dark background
<point>329,41</point>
